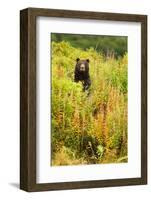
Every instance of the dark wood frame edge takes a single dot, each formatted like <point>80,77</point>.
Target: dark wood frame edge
<point>28,99</point>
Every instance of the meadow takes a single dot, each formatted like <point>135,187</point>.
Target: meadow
<point>88,127</point>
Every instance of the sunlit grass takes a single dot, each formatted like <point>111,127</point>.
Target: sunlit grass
<point>88,128</point>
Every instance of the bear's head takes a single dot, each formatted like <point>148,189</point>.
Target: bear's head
<point>82,65</point>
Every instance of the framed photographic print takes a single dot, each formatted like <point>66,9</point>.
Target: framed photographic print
<point>83,99</point>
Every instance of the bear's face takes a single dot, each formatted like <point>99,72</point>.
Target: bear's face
<point>82,65</point>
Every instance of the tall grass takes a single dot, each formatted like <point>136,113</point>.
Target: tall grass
<point>88,127</point>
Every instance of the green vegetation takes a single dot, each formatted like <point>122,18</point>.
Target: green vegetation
<point>88,127</point>
<point>108,45</point>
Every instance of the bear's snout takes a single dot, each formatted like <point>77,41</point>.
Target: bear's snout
<point>82,67</point>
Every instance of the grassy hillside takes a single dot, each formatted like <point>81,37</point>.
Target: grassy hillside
<point>88,128</point>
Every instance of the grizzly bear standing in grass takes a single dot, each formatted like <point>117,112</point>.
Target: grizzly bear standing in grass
<point>81,73</point>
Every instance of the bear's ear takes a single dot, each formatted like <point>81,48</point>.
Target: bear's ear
<point>77,59</point>
<point>88,60</point>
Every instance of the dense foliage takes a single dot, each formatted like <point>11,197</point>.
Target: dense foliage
<point>108,45</point>
<point>88,127</point>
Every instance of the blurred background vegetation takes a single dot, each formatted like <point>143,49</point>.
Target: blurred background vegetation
<point>107,45</point>
<point>88,127</point>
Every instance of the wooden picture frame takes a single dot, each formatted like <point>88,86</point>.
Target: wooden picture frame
<point>28,98</point>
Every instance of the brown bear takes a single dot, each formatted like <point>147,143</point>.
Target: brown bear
<point>81,73</point>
